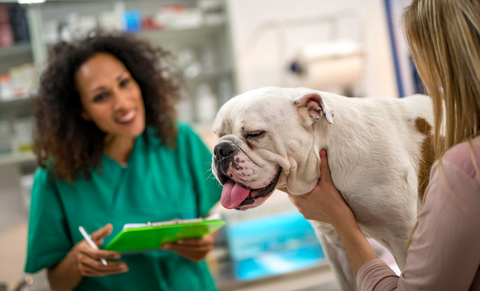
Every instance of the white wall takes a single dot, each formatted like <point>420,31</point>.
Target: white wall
<point>257,61</point>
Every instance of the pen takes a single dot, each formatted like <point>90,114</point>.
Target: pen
<point>90,242</point>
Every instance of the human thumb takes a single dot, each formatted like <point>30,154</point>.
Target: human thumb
<point>324,169</point>
<point>100,233</point>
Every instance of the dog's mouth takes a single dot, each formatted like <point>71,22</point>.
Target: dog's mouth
<point>236,195</point>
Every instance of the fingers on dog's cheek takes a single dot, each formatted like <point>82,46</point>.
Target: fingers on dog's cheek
<point>323,154</point>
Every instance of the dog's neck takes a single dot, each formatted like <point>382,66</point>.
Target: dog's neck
<point>347,142</point>
<point>349,139</point>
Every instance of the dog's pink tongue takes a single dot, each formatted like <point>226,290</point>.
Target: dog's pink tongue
<point>233,194</point>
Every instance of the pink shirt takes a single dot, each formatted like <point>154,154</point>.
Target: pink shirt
<point>445,250</point>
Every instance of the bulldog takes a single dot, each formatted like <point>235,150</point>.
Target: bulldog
<point>378,150</point>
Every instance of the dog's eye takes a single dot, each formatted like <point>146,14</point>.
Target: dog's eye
<point>255,134</point>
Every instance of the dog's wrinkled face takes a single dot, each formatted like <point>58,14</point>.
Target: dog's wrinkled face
<point>265,142</point>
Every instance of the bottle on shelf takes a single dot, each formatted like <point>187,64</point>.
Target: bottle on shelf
<point>6,91</point>
<point>206,104</point>
<point>18,22</point>
<point>22,140</point>
<point>6,34</point>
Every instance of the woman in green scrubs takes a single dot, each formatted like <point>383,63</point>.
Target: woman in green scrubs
<point>111,153</point>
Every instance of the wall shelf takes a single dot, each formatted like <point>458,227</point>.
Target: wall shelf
<point>206,41</point>
<point>16,49</point>
<point>17,107</point>
<point>16,158</point>
<point>17,100</point>
<point>172,32</point>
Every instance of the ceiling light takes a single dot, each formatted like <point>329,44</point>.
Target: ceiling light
<point>30,1</point>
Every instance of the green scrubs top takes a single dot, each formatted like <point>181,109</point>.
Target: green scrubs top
<point>157,184</point>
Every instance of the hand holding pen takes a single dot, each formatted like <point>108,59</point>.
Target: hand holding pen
<point>90,242</point>
<point>89,257</point>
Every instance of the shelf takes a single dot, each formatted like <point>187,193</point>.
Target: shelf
<point>208,76</point>
<point>171,32</point>
<point>15,106</point>
<point>203,129</point>
<point>16,158</point>
<point>16,49</point>
<point>17,100</point>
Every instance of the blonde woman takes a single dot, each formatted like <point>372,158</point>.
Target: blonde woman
<point>444,38</point>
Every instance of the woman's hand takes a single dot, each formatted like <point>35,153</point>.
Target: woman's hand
<point>88,259</point>
<point>193,249</point>
<point>324,203</point>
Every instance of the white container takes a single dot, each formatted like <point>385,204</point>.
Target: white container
<point>31,80</point>
<point>6,90</point>
<point>87,24</point>
<point>50,31</point>
<point>112,20</point>
<point>206,103</point>
<point>23,130</point>
<point>190,18</point>
<point>213,11</point>
<point>18,81</point>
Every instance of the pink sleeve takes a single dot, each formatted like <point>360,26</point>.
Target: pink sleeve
<point>445,250</point>
<point>376,275</point>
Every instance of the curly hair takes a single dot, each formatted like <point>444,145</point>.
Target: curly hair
<point>68,144</point>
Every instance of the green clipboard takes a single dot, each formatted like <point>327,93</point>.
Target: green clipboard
<point>144,238</point>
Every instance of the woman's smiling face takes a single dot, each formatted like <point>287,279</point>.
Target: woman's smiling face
<point>110,97</point>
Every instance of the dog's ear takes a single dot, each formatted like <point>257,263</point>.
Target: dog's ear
<point>311,107</point>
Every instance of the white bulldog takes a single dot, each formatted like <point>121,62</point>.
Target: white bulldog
<point>377,147</point>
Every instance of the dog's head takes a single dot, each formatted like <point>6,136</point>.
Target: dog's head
<point>266,141</point>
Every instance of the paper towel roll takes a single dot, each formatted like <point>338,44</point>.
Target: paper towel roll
<point>332,64</point>
<point>339,72</point>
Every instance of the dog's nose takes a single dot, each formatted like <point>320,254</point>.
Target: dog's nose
<point>222,150</point>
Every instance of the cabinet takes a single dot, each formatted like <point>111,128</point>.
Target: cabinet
<point>199,41</point>
<point>204,54</point>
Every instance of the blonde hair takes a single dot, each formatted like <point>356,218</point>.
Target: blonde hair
<point>444,40</point>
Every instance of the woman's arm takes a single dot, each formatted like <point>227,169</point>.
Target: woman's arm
<point>65,275</point>
<point>83,260</point>
<point>325,203</point>
<point>444,253</point>
<point>358,248</point>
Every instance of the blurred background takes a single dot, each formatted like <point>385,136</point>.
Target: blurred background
<point>223,48</point>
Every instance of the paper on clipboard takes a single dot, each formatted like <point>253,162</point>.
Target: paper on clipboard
<point>173,221</point>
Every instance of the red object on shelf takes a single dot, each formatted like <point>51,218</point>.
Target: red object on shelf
<point>6,34</point>
<point>149,23</point>
<point>173,8</point>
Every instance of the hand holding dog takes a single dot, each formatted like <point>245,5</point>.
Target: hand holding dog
<point>324,203</point>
